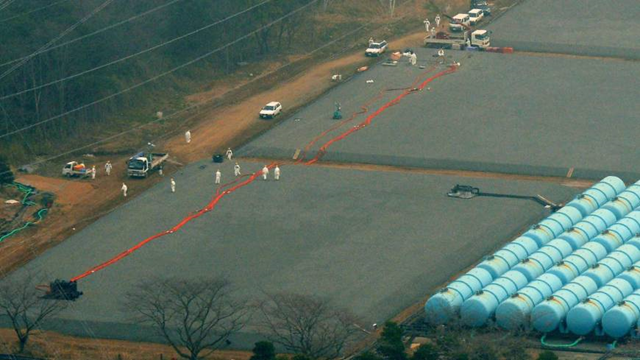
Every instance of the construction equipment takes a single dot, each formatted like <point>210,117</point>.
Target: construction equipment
<point>468,192</point>
<point>61,290</point>
<point>141,164</point>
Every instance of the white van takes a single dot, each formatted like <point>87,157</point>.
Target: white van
<point>460,22</point>
<point>475,16</point>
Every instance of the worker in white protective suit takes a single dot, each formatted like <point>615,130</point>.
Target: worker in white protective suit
<point>441,53</point>
<point>370,41</point>
<point>187,136</point>
<point>229,153</point>
<point>108,167</point>
<point>413,59</point>
<point>173,186</point>
<point>276,173</point>
<point>218,176</point>
<point>236,170</point>
<point>124,189</point>
<point>438,20</point>
<point>427,23</point>
<point>93,172</point>
<point>265,172</point>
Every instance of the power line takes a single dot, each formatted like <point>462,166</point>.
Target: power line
<point>96,32</point>
<point>132,55</point>
<point>6,4</point>
<point>65,32</point>
<point>32,11</point>
<point>176,113</point>
<point>160,75</point>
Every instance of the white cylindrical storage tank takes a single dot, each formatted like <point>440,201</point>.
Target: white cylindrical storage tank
<point>528,245</point>
<point>444,305</point>
<point>479,308</point>
<point>513,313</point>
<point>584,317</point>
<point>619,320</point>
<point>632,275</point>
<point>539,234</point>
<point>614,264</point>
<point>597,195</point>
<point>543,259</point>
<point>589,227</point>
<point>620,232</point>
<point>560,221</point>
<point>578,262</point>
<point>626,201</point>
<point>548,315</point>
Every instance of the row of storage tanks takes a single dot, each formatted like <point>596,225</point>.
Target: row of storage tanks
<point>577,271</point>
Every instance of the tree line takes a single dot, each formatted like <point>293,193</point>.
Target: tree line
<point>23,35</point>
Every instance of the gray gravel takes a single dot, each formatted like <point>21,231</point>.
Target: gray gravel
<point>581,27</point>
<point>373,242</point>
<point>520,114</point>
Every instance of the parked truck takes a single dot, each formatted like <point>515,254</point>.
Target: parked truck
<point>477,38</point>
<point>74,168</point>
<point>141,164</point>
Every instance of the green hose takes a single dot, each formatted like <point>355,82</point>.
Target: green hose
<point>40,214</point>
<point>542,341</point>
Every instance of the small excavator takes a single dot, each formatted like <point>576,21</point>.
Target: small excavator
<point>60,290</point>
<point>468,192</point>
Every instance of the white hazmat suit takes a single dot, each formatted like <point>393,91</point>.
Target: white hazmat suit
<point>265,172</point>
<point>276,173</point>
<point>236,170</point>
<point>218,176</point>
<point>108,167</point>
<point>173,185</point>
<point>229,153</point>
<point>187,136</point>
<point>124,189</point>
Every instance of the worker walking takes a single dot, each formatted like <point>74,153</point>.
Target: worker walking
<point>93,172</point>
<point>236,170</point>
<point>187,136</point>
<point>265,172</point>
<point>218,176</point>
<point>124,189</point>
<point>427,23</point>
<point>108,167</point>
<point>229,153</point>
<point>438,20</point>
<point>173,185</point>
<point>276,173</point>
<point>413,59</point>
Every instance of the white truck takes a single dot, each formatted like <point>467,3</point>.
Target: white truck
<point>444,40</point>
<point>74,168</point>
<point>460,22</point>
<point>376,48</point>
<point>141,164</point>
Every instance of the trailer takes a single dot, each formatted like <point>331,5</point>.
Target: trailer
<point>141,164</point>
<point>444,40</point>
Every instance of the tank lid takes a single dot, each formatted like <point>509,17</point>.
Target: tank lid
<point>620,303</point>
<point>561,262</point>
<point>515,295</point>
<point>444,289</point>
<point>525,260</point>
<point>595,265</point>
<point>479,292</point>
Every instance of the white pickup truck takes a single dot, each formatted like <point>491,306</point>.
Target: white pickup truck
<point>376,48</point>
<point>460,22</point>
<point>74,168</point>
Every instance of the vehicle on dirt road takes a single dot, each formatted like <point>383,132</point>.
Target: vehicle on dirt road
<point>444,40</point>
<point>271,110</point>
<point>376,48</point>
<point>74,168</point>
<point>141,164</point>
<point>460,22</point>
<point>482,5</point>
<point>475,16</point>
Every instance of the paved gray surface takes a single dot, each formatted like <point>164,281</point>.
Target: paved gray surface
<point>374,242</point>
<point>538,115</point>
<point>581,27</point>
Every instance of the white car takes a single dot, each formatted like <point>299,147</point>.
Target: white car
<point>460,22</point>
<point>475,16</point>
<point>376,48</point>
<point>271,110</point>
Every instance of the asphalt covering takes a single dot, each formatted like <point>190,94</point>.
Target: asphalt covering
<point>372,242</point>
<point>580,27</point>
<point>508,113</point>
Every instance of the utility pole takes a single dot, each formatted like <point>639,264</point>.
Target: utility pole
<point>325,4</point>
<point>392,7</point>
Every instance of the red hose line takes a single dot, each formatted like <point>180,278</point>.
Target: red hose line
<point>221,193</point>
<point>367,121</point>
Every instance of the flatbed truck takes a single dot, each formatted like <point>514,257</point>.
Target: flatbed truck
<point>445,40</point>
<point>141,164</point>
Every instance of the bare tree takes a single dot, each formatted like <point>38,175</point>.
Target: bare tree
<point>198,315</point>
<point>20,302</point>
<point>307,325</point>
